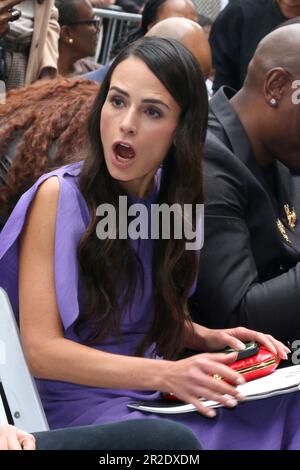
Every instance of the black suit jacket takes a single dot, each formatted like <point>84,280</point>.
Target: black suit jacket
<point>235,35</point>
<point>249,273</point>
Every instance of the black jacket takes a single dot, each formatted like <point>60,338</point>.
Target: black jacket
<point>235,36</point>
<point>249,273</point>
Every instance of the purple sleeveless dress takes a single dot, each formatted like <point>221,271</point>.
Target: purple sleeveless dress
<point>272,423</point>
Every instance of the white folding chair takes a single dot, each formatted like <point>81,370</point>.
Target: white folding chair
<point>20,403</point>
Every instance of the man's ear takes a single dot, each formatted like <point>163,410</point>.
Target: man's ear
<point>276,81</point>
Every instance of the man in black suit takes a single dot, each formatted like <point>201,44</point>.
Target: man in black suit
<point>237,31</point>
<point>250,262</point>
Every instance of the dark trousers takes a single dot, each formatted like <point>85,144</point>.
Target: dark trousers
<point>141,434</point>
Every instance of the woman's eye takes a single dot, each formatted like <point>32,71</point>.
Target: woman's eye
<point>153,113</point>
<point>117,102</point>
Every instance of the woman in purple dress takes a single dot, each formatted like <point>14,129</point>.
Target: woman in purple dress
<point>102,309</point>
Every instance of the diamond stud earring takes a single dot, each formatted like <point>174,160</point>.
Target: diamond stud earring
<point>273,102</point>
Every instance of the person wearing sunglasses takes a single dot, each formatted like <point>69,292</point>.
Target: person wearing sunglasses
<point>78,37</point>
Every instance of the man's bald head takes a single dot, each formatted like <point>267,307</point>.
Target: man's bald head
<point>268,105</point>
<point>279,49</point>
<point>190,34</point>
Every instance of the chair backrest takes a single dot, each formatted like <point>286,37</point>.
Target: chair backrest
<point>20,402</point>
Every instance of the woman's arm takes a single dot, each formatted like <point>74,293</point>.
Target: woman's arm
<point>49,354</point>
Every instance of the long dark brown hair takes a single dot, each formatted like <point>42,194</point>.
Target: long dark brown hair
<point>110,268</point>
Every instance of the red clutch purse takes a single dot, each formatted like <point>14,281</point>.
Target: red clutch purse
<point>259,365</point>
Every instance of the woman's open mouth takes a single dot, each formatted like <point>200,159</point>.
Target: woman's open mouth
<point>123,154</point>
<point>124,151</point>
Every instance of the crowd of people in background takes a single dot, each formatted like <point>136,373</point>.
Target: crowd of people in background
<point>189,110</point>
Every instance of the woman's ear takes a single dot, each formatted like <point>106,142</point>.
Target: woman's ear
<point>66,35</point>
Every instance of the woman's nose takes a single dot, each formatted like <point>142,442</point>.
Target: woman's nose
<point>128,125</point>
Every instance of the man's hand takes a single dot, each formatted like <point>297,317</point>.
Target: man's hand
<point>12,438</point>
<point>6,15</point>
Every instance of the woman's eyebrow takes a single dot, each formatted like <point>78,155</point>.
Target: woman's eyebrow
<point>146,100</point>
<point>155,101</point>
<point>119,90</point>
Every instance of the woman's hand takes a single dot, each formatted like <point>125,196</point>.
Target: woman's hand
<point>198,376</point>
<point>6,15</point>
<point>235,337</point>
<point>12,438</point>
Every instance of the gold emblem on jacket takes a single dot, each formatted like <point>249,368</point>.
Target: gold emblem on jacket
<point>281,229</point>
<point>290,215</point>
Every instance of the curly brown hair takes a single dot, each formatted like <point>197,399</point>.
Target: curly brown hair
<point>47,122</point>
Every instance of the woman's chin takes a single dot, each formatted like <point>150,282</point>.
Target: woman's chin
<point>119,175</point>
